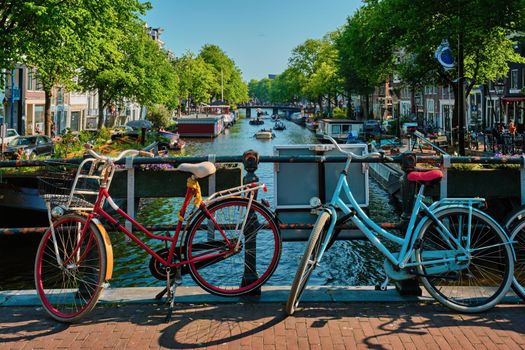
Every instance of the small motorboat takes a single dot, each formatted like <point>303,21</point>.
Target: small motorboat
<point>311,125</point>
<point>275,117</point>
<point>177,146</point>
<point>264,134</point>
<point>256,121</point>
<point>279,126</point>
<point>171,140</point>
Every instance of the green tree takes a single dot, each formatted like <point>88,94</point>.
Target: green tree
<point>138,69</point>
<point>312,67</point>
<point>65,36</point>
<point>227,76</point>
<point>478,31</point>
<point>261,90</point>
<point>17,23</point>
<point>196,78</point>
<point>159,115</point>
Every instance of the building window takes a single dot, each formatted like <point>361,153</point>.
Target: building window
<point>430,89</point>
<point>430,109</point>
<point>38,83</point>
<point>514,79</point>
<point>60,96</point>
<point>30,79</point>
<point>39,118</point>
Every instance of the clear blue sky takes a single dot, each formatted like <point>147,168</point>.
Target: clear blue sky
<point>257,34</point>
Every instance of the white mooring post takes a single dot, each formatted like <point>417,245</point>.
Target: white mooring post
<point>443,188</point>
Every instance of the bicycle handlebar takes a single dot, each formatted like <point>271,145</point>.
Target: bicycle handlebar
<point>357,156</point>
<point>128,153</point>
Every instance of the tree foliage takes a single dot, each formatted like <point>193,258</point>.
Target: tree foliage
<point>228,76</point>
<point>197,81</point>
<point>159,115</point>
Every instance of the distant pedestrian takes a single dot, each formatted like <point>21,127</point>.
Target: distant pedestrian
<point>512,128</point>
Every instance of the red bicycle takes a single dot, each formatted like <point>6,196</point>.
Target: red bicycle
<point>229,243</point>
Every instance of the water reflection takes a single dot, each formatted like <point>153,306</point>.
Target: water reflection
<point>347,263</point>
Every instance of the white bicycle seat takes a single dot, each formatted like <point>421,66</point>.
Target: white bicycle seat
<point>199,170</point>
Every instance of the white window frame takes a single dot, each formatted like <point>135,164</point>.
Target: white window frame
<point>514,79</point>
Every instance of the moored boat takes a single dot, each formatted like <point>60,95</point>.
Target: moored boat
<point>279,126</point>
<point>339,129</point>
<point>312,125</point>
<point>256,121</point>
<point>265,134</point>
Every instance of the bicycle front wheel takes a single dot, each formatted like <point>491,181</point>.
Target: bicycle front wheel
<point>471,282</point>
<point>70,271</point>
<point>233,249</point>
<point>518,237</point>
<point>308,262</point>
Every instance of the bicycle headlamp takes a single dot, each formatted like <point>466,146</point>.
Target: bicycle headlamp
<point>315,202</point>
<point>57,212</point>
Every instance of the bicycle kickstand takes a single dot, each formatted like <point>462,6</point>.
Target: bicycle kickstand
<point>171,292</point>
<point>383,286</point>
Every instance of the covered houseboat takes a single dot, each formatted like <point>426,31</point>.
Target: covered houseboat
<point>209,122</point>
<point>340,129</point>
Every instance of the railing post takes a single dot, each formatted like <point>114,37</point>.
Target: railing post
<point>250,160</point>
<point>443,185</point>
<point>522,180</point>
<point>408,189</point>
<point>408,163</point>
<point>131,194</point>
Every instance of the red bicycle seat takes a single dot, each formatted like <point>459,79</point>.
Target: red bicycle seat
<point>425,176</point>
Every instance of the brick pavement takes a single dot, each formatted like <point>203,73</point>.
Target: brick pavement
<point>263,326</point>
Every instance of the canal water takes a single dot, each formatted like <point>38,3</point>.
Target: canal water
<point>346,263</point>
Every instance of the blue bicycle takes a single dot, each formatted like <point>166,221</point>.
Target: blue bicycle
<point>461,255</point>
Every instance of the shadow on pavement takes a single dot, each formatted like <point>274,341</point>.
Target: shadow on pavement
<point>377,326</point>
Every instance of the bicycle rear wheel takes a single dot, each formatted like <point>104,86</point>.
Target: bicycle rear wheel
<point>308,262</point>
<point>69,289</point>
<point>247,262</point>
<point>472,283</point>
<point>518,236</point>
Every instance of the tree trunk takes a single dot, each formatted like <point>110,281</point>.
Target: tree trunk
<point>367,107</point>
<point>100,108</point>
<point>47,110</point>
<point>349,106</point>
<point>320,101</point>
<point>329,111</point>
<point>460,101</point>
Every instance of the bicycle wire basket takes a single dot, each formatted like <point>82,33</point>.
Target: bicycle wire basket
<point>72,188</point>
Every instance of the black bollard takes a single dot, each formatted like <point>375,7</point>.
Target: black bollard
<point>250,160</point>
<point>408,191</point>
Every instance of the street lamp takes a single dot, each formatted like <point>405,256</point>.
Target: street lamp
<point>499,86</point>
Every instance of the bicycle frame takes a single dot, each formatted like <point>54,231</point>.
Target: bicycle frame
<point>373,231</point>
<point>104,195</point>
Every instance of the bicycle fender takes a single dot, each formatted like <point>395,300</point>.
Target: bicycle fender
<point>108,246</point>
<point>426,218</point>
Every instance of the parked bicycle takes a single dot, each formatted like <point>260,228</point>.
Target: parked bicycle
<point>230,243</point>
<point>514,223</point>
<point>461,255</point>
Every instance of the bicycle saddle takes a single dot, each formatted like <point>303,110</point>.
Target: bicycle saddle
<point>199,170</point>
<point>425,177</point>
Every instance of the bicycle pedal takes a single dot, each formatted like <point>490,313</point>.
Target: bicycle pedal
<point>178,277</point>
<point>161,294</point>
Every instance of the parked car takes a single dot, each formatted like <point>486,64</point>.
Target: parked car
<point>11,134</point>
<point>31,146</point>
